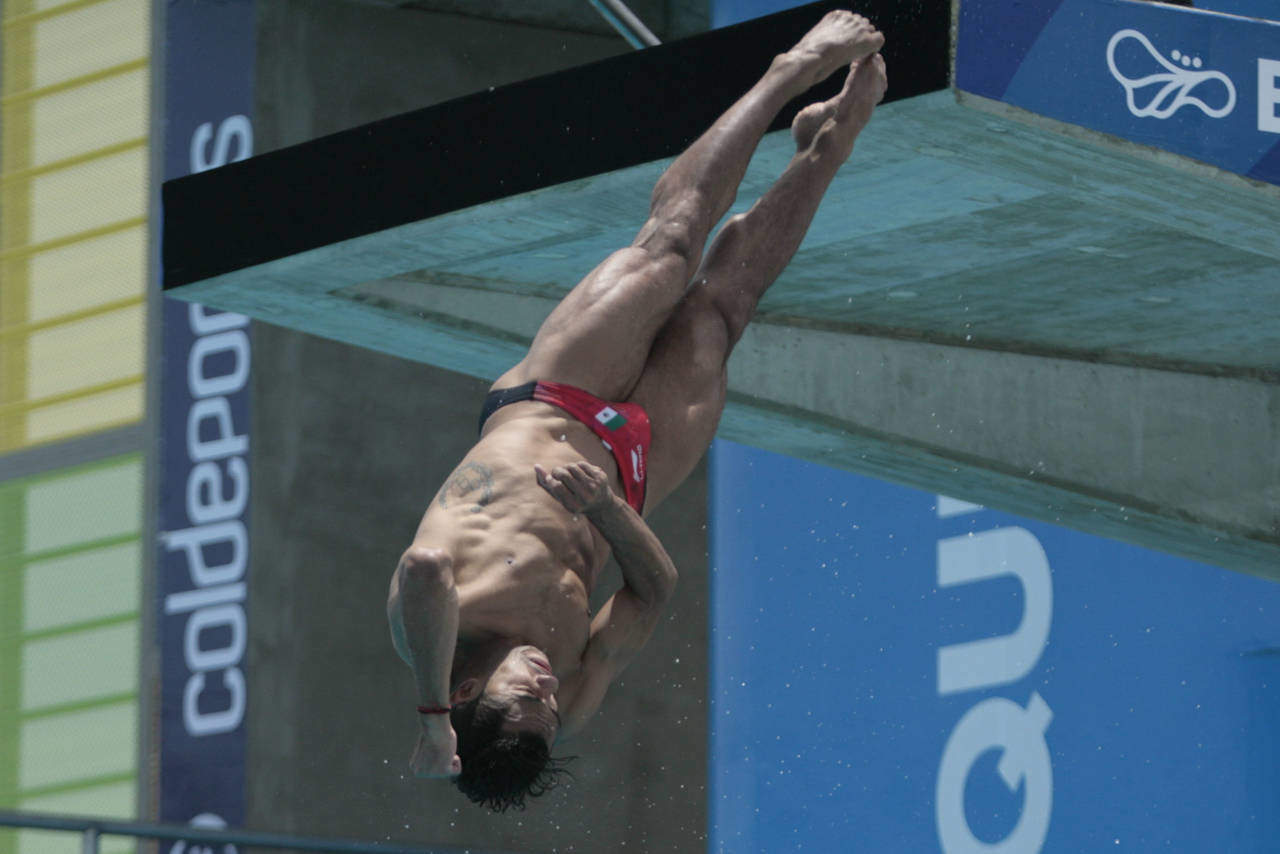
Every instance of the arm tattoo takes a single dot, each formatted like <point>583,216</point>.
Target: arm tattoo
<point>469,478</point>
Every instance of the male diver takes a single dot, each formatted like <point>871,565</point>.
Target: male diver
<point>616,401</point>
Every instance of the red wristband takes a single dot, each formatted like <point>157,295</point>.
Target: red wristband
<point>433,710</point>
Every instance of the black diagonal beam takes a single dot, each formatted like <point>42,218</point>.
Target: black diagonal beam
<point>609,115</point>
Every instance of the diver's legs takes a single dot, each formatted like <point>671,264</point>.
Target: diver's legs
<point>683,385</point>
<point>599,337</point>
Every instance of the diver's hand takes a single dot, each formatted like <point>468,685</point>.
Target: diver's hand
<point>436,753</point>
<point>580,487</point>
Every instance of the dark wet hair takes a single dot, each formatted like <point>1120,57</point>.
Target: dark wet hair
<point>500,769</point>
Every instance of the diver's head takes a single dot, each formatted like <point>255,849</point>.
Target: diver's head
<point>506,725</point>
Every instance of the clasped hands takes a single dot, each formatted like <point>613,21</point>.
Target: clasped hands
<point>580,487</point>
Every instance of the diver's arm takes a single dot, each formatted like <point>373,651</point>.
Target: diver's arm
<point>619,630</point>
<point>627,620</point>
<point>622,627</point>
<point>646,567</point>
<point>422,609</point>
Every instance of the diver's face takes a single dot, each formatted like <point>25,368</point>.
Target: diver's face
<point>524,684</point>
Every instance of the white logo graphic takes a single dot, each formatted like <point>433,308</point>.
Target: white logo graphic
<point>207,820</point>
<point>1176,83</point>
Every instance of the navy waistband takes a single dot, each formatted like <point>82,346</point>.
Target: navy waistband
<point>500,397</point>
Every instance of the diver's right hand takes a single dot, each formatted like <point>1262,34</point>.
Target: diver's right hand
<point>436,753</point>
<point>580,487</point>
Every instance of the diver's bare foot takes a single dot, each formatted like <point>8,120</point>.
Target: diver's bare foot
<point>863,89</point>
<point>839,39</point>
<point>807,122</point>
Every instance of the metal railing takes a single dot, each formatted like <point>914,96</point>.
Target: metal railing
<point>626,23</point>
<point>92,829</point>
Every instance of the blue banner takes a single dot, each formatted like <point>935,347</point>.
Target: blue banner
<point>1197,83</point>
<point>895,671</point>
<point>203,549</point>
<point>725,13</point>
<point>1267,9</point>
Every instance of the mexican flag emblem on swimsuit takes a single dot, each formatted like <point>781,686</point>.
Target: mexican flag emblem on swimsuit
<point>611,418</point>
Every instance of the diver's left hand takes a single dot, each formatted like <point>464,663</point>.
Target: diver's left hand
<point>436,753</point>
<point>581,487</point>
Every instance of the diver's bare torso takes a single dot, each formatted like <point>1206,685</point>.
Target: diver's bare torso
<point>524,567</point>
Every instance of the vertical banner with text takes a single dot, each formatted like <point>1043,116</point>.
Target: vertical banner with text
<point>203,547</point>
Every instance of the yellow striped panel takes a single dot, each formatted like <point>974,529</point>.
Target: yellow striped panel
<point>90,117</point>
<point>88,273</point>
<point>87,352</point>
<point>15,145</point>
<point>88,195</point>
<point>46,8</point>
<point>89,39</point>
<point>73,206</point>
<point>87,413</point>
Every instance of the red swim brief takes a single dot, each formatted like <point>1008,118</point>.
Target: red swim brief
<point>622,427</point>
